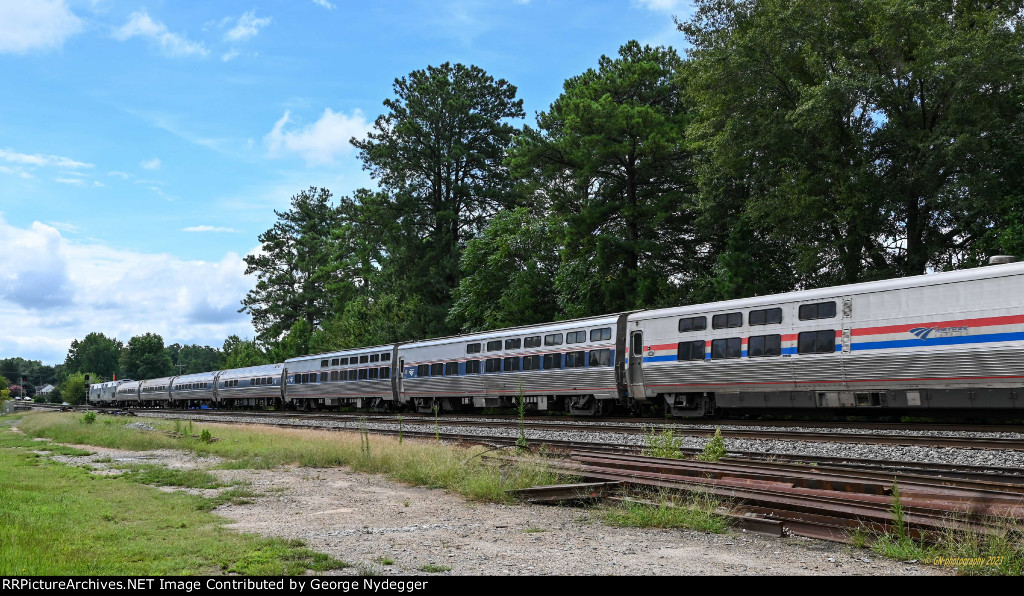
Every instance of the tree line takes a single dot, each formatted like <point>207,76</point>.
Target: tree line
<point>796,145</point>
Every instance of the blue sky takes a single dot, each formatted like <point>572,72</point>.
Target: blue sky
<point>145,145</point>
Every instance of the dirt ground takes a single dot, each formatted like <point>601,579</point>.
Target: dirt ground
<point>383,527</point>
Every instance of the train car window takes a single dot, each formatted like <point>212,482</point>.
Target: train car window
<point>334,375</point>
<point>437,369</point>
<point>451,369</point>
<point>423,370</point>
<point>352,375</point>
<point>374,357</point>
<point>323,364</point>
<point>532,341</point>
<point>385,357</point>
<point>385,372</point>
<point>575,337</point>
<point>362,374</point>
<point>512,364</point>
<point>472,348</point>
<point>343,362</point>
<point>552,361</point>
<point>693,324</point>
<point>323,377</point>
<point>731,347</point>
<point>374,372</point>
<point>638,344</point>
<point>816,342</point>
<point>764,345</point>
<point>531,362</point>
<point>691,350</point>
<point>334,362</point>
<point>364,359</point>
<point>270,381</point>
<point>472,367</point>
<point>601,334</point>
<point>768,316</point>
<point>494,345</point>
<point>513,344</point>
<point>727,321</point>
<point>575,359</point>
<point>555,339</point>
<point>601,357</point>
<point>493,365</point>
<point>820,310</point>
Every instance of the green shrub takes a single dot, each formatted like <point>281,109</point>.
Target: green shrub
<point>715,449</point>
<point>88,417</point>
<point>663,444</point>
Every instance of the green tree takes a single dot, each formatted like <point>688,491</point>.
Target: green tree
<point>144,358</point>
<point>611,155</point>
<point>508,274</point>
<point>94,352</point>
<point>437,155</point>
<point>75,390</point>
<point>240,353</point>
<point>294,267</point>
<point>197,359</point>
<point>874,138</point>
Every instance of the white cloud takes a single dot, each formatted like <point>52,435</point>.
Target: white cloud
<point>318,143</point>
<point>53,290</point>
<point>247,26</point>
<point>207,229</point>
<point>38,160</point>
<point>324,3</point>
<point>35,24</point>
<point>150,164</point>
<point>172,44</point>
<point>121,175</point>
<point>671,6</point>
<point>72,181</point>
<point>230,55</point>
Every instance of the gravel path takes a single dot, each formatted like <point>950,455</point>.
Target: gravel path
<point>946,455</point>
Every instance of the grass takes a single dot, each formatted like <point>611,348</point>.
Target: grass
<point>431,568</point>
<point>62,520</point>
<point>384,561</point>
<point>663,509</point>
<point>534,530</point>
<point>969,551</point>
<point>423,463</point>
<point>160,476</point>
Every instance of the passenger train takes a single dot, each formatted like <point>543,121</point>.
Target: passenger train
<point>942,341</point>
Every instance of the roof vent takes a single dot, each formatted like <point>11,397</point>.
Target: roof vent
<point>1002,259</point>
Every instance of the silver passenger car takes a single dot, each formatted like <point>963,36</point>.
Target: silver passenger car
<point>358,377</point>
<point>254,386</point>
<point>572,363</point>
<point>155,392</point>
<point>193,390</point>
<point>952,340</point>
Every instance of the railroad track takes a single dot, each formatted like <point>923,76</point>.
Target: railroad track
<point>782,498</point>
<point>635,428</point>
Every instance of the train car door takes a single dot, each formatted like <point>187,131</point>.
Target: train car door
<point>636,371</point>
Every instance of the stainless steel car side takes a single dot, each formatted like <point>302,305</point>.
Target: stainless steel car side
<point>943,340</point>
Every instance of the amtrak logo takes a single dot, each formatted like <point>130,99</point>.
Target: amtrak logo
<point>922,333</point>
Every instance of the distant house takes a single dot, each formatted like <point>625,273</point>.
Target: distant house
<point>45,390</point>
